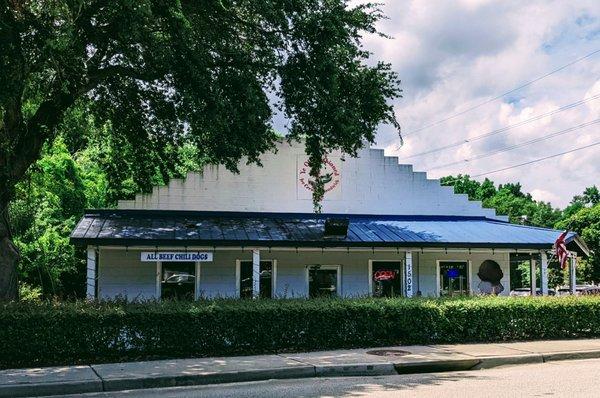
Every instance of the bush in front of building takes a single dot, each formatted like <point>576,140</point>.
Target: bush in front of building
<point>51,333</point>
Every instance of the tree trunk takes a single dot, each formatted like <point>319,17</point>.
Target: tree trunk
<point>9,256</point>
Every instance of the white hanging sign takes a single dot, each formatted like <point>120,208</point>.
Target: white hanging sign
<point>177,256</point>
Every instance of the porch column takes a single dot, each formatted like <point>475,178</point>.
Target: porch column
<point>532,276</point>
<point>573,274</point>
<point>544,273</point>
<point>255,273</point>
<point>408,274</point>
<point>91,274</point>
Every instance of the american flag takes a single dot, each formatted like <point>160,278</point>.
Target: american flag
<point>560,246</point>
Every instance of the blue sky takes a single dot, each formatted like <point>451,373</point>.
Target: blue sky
<point>452,55</point>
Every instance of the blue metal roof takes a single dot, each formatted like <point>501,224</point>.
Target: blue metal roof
<point>185,228</point>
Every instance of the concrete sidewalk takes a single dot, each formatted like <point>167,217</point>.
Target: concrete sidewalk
<point>358,362</point>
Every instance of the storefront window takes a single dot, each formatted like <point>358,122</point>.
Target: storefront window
<point>387,280</point>
<point>178,281</point>
<point>323,281</point>
<point>454,279</point>
<point>266,279</point>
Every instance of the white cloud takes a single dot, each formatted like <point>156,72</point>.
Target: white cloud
<point>452,55</point>
<point>546,196</point>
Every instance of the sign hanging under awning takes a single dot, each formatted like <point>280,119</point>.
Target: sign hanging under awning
<point>177,256</point>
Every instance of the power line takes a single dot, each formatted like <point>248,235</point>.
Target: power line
<point>510,148</point>
<point>537,160</point>
<point>506,128</point>
<point>502,95</point>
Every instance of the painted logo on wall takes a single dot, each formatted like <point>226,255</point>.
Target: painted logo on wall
<point>330,175</point>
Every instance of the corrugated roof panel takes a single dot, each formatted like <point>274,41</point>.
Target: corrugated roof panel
<point>82,226</point>
<point>127,227</point>
<point>96,227</point>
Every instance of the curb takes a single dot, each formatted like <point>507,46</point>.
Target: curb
<point>446,365</point>
<point>56,388</point>
<point>119,384</point>
<point>308,371</point>
<point>496,361</point>
<point>363,369</point>
<point>566,355</point>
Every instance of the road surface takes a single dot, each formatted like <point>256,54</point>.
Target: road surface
<point>554,379</point>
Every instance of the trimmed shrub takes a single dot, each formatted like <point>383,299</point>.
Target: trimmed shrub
<point>51,333</point>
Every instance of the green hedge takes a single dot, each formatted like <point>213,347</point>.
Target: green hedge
<point>70,333</point>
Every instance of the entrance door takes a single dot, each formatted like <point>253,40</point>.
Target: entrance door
<point>178,281</point>
<point>454,278</point>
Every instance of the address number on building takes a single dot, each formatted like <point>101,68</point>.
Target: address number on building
<point>177,256</point>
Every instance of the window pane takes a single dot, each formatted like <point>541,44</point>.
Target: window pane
<point>387,278</point>
<point>266,279</point>
<point>322,282</point>
<point>246,279</point>
<point>178,281</point>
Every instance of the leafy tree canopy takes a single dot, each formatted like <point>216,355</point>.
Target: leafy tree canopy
<point>161,75</point>
<point>586,222</point>
<point>508,199</point>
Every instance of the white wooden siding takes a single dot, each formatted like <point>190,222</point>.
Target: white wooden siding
<point>121,273</point>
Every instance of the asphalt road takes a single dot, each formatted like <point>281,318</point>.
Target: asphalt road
<point>554,379</point>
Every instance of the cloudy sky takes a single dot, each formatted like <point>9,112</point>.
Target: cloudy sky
<point>455,55</point>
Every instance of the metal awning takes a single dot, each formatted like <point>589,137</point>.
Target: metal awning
<point>201,228</point>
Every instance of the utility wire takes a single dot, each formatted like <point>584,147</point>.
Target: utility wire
<point>537,160</point>
<point>506,128</point>
<point>510,148</point>
<point>503,94</point>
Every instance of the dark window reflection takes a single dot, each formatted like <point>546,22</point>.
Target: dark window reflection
<point>322,282</point>
<point>266,279</point>
<point>178,281</point>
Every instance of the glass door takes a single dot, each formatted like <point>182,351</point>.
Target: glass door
<point>454,278</point>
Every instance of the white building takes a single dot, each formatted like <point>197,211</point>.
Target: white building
<point>384,230</point>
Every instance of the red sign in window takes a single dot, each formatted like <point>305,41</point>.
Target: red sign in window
<point>384,275</point>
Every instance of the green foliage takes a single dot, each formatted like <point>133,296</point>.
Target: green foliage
<point>586,221</point>
<point>83,168</point>
<point>52,333</point>
<point>29,293</point>
<point>47,206</point>
<point>507,199</point>
<point>164,74</point>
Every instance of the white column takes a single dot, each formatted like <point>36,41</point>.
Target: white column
<point>544,273</point>
<point>255,273</point>
<point>408,274</point>
<point>91,274</point>
<point>573,274</point>
<point>533,281</point>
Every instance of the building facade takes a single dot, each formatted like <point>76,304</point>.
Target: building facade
<point>385,230</point>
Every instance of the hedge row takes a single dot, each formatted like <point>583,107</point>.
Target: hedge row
<point>70,333</point>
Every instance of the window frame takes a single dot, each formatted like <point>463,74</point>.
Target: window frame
<point>336,267</point>
<point>238,271</point>
<point>159,269</point>
<point>438,280</point>
<point>402,262</point>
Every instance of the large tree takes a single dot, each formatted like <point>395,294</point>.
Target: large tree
<point>164,73</point>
